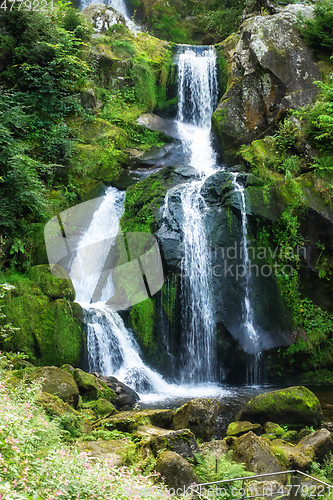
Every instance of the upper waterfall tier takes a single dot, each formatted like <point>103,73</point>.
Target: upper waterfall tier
<point>197,84</point>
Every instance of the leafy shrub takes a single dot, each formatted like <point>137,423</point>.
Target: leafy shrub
<point>36,464</point>
<point>210,469</point>
<point>318,32</point>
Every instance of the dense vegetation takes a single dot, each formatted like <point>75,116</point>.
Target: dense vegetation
<point>58,113</point>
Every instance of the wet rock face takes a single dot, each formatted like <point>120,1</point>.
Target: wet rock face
<point>102,17</point>
<point>271,70</point>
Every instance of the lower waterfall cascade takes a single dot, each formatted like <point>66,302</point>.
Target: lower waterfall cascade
<point>112,348</point>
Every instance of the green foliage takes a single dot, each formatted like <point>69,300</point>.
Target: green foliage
<point>188,21</point>
<point>35,463</point>
<point>142,319</point>
<point>6,329</point>
<point>318,32</point>
<point>210,469</point>
<point>223,21</point>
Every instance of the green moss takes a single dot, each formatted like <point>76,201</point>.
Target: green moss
<point>142,319</point>
<point>169,296</point>
<point>142,199</point>
<point>50,331</point>
<point>101,407</point>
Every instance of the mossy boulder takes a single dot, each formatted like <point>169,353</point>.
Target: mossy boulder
<point>177,472</point>
<point>256,454</point>
<point>56,407</point>
<point>57,382</point>
<point>271,71</point>
<point>100,407</point>
<point>51,331</point>
<point>113,450</point>
<point>129,421</point>
<point>182,442</point>
<point>294,405</point>
<point>319,443</point>
<point>198,415</point>
<point>239,428</point>
<point>52,287</point>
<point>86,383</point>
<point>272,428</point>
<point>291,456</point>
<point>124,397</point>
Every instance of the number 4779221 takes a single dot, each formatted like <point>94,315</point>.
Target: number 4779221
<point>34,5</point>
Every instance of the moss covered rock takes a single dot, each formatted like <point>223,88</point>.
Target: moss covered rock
<point>56,407</point>
<point>290,456</point>
<point>239,428</point>
<point>271,71</point>
<point>52,287</point>
<point>256,454</point>
<point>214,448</point>
<point>182,442</point>
<point>101,407</point>
<point>50,330</point>
<point>319,443</point>
<point>272,428</point>
<point>294,405</point>
<point>198,415</point>
<point>129,421</point>
<point>86,383</point>
<point>177,472</point>
<point>57,382</point>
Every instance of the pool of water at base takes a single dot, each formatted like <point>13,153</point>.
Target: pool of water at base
<point>232,399</point>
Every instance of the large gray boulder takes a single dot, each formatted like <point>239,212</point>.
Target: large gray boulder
<point>182,442</point>
<point>271,70</point>
<point>318,444</point>
<point>198,415</point>
<point>102,17</point>
<point>176,471</point>
<point>256,454</point>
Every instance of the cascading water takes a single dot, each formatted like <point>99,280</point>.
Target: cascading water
<point>119,5</point>
<point>197,93</point>
<point>252,338</point>
<point>111,347</point>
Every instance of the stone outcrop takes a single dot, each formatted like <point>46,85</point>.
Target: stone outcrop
<point>102,17</point>
<point>177,472</point>
<point>256,454</point>
<point>237,429</point>
<point>294,405</point>
<point>319,445</point>
<point>271,70</point>
<point>198,415</point>
<point>182,442</point>
<point>57,382</point>
<point>291,456</point>
<point>125,397</point>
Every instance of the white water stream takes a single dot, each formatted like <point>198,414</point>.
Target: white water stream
<point>197,92</point>
<point>252,336</point>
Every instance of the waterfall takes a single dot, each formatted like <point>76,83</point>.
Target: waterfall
<point>197,94</point>
<point>112,349</point>
<point>252,337</point>
<point>118,5</point>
